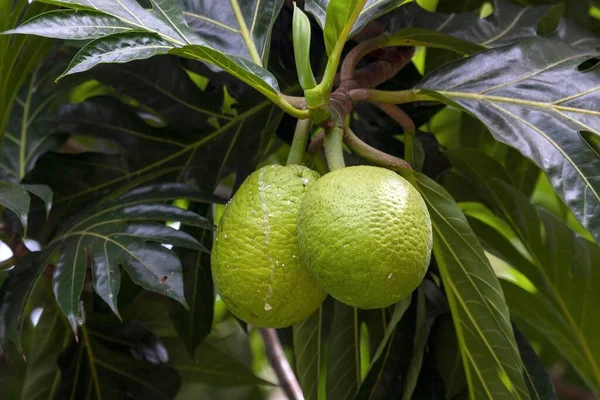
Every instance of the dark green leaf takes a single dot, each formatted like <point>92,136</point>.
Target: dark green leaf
<point>47,340</point>
<point>538,381</point>
<point>16,199</point>
<point>213,366</point>
<point>124,232</point>
<point>20,55</point>
<point>238,28</point>
<point>307,352</point>
<point>540,121</point>
<point>489,351</point>
<point>140,34</point>
<point>563,276</point>
<point>445,352</point>
<point>343,356</point>
<point>509,23</point>
<point>116,361</point>
<point>386,378</point>
<point>118,48</point>
<point>30,133</point>
<point>72,24</point>
<point>15,293</point>
<point>194,325</point>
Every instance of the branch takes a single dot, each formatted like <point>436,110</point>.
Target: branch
<point>281,365</point>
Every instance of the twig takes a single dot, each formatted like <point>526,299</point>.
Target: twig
<point>279,362</point>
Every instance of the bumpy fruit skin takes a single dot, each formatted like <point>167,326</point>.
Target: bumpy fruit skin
<point>365,233</point>
<point>256,263</point>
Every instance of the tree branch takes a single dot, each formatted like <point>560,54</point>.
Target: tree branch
<point>281,365</point>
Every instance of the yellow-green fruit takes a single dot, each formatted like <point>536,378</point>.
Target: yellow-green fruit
<point>365,234</point>
<point>256,263</point>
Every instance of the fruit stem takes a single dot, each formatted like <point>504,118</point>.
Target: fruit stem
<point>299,142</point>
<point>408,126</point>
<point>374,155</point>
<point>334,151</point>
<point>281,365</point>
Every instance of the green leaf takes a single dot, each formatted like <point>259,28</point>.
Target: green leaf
<point>541,121</point>
<point>30,130</point>
<point>124,232</point>
<point>343,356</point>
<point>445,352</point>
<point>490,355</point>
<point>339,14</point>
<point>252,74</point>
<point>301,36</point>
<point>563,276</point>
<point>117,48</point>
<point>371,10</point>
<point>124,31</point>
<point>213,366</point>
<point>538,381</point>
<point>194,325</point>
<point>72,24</point>
<point>390,364</point>
<point>238,28</point>
<point>114,359</point>
<point>308,336</point>
<point>47,340</point>
<point>16,199</point>
<point>20,55</point>
<point>508,24</point>
<point>15,293</point>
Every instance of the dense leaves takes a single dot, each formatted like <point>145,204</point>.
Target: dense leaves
<point>119,173</point>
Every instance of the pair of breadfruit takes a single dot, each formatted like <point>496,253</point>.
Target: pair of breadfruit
<point>288,237</point>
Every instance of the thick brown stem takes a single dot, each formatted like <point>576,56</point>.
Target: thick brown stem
<point>281,365</point>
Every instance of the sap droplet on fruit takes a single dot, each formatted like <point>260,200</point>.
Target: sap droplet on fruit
<point>304,181</point>
<point>268,307</point>
<point>225,236</point>
<point>288,202</point>
<point>390,275</point>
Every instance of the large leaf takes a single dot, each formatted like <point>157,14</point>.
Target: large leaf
<point>116,361</point>
<point>15,293</point>
<point>124,31</point>
<point>509,23</point>
<point>124,232</point>
<point>47,340</point>
<point>371,10</point>
<point>387,373</point>
<point>490,355</point>
<point>343,355</point>
<point>20,56</point>
<point>308,351</point>
<point>16,198</point>
<point>206,156</point>
<point>556,261</point>
<point>30,131</point>
<point>194,325</point>
<point>527,110</point>
<point>241,28</point>
<point>211,365</point>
